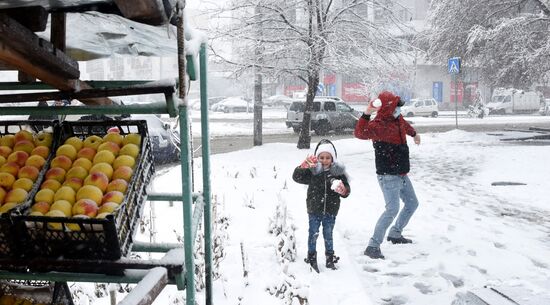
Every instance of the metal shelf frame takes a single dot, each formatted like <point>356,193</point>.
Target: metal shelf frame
<point>156,270</point>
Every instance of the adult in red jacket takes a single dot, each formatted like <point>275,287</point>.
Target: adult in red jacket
<point>388,132</point>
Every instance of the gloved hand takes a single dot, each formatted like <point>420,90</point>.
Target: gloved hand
<point>339,187</point>
<point>309,162</point>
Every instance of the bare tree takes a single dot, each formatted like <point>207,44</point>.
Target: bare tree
<point>302,38</point>
<point>507,40</point>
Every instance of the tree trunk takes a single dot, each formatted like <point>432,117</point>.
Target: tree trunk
<point>258,109</point>
<point>304,140</point>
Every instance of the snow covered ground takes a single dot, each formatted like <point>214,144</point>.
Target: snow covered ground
<point>467,233</point>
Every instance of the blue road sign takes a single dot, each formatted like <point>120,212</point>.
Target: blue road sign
<point>437,91</point>
<point>453,65</point>
<point>320,89</point>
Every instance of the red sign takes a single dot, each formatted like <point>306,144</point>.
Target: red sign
<point>459,93</point>
<point>329,79</point>
<point>354,92</point>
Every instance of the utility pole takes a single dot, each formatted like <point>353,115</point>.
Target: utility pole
<point>258,106</point>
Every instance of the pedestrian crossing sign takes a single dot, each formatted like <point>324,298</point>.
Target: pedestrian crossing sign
<point>454,65</point>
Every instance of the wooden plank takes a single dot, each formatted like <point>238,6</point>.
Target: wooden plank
<point>34,18</point>
<point>37,51</point>
<point>147,289</point>
<point>146,11</point>
<point>84,94</point>
<point>58,31</point>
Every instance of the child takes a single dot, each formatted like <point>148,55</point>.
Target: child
<point>327,181</point>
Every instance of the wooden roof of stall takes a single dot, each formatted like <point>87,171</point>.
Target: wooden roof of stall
<point>48,58</point>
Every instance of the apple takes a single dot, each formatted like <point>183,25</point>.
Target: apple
<point>66,150</point>
<point>113,196</point>
<point>63,206</point>
<point>103,167</point>
<point>110,146</point>
<point>23,183</point>
<point>2,160</point>
<point>90,192</point>
<point>134,138</point>
<point>41,206</point>
<point>61,161</point>
<point>86,152</point>
<point>35,161</point>
<point>74,182</point>
<point>51,184</point>
<point>113,130</point>
<point>30,172</point>
<point>5,151</point>
<point>10,167</point>
<point>130,150</point>
<point>56,173</point>
<point>2,195</point>
<point>124,160</point>
<point>117,185</point>
<point>6,180</point>
<point>108,207</point>
<point>76,226</point>
<point>55,225</point>
<point>123,172</point>
<point>44,195</point>
<point>43,138</point>
<point>92,141</point>
<point>104,156</point>
<point>19,157</point>
<point>114,137</point>
<point>41,151</point>
<point>16,195</point>
<point>23,135</point>
<point>86,207</point>
<point>65,193</point>
<point>98,179</point>
<point>24,145</point>
<point>77,171</point>
<point>83,162</point>
<point>7,140</point>
<point>76,142</point>
<point>8,206</point>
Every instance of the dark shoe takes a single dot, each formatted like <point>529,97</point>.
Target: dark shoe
<point>374,253</point>
<point>331,260</point>
<point>399,240</point>
<point>311,259</point>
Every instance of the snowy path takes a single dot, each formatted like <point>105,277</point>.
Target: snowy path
<point>467,233</point>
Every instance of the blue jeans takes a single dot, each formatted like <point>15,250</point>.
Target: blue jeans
<point>394,187</point>
<point>315,221</point>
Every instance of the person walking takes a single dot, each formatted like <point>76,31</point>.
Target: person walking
<point>388,131</point>
<point>327,181</point>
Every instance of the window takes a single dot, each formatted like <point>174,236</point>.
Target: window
<point>419,104</point>
<point>297,106</point>
<point>343,107</point>
<point>330,106</point>
<point>316,106</point>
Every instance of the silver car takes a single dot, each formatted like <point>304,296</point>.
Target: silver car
<point>328,114</point>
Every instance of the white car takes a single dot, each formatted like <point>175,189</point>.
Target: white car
<point>232,104</point>
<point>420,107</point>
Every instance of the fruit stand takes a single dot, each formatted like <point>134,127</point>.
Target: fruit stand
<point>59,249</point>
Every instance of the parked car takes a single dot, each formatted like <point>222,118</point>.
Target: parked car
<point>232,104</point>
<point>508,101</point>
<point>278,101</point>
<point>420,107</point>
<point>328,114</point>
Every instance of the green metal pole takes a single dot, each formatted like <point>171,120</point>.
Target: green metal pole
<point>206,174</point>
<point>187,205</point>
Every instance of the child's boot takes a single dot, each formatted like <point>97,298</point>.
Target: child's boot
<point>331,260</point>
<point>312,260</point>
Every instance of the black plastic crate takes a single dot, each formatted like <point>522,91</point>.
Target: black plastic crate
<point>8,237</point>
<point>108,238</point>
<point>57,293</point>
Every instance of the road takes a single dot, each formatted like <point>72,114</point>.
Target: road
<point>229,143</point>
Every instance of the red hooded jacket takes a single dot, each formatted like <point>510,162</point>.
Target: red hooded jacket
<point>388,135</point>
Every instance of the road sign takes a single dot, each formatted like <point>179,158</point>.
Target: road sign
<point>453,65</point>
<point>320,88</point>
